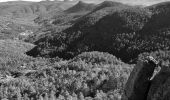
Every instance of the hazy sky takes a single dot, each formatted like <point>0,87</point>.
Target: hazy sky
<point>138,2</point>
<point>15,0</point>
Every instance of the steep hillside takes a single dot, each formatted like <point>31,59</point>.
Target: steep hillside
<point>107,4</point>
<point>71,15</point>
<point>159,23</point>
<point>123,17</point>
<point>60,20</point>
<point>67,16</point>
<point>80,7</point>
<point>160,7</point>
<point>97,31</point>
<point>123,31</point>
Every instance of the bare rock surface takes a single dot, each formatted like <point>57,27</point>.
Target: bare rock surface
<point>160,87</point>
<point>139,81</point>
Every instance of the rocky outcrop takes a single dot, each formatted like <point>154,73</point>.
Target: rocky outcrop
<point>139,82</point>
<point>144,84</point>
<point>160,87</point>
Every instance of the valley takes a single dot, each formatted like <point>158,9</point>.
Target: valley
<point>74,50</point>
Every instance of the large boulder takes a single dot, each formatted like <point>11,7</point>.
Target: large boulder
<point>139,82</point>
<point>160,87</point>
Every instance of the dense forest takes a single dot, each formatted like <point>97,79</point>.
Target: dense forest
<point>122,30</point>
<point>69,50</point>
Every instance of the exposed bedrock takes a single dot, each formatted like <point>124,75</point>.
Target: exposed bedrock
<point>160,87</point>
<point>139,82</point>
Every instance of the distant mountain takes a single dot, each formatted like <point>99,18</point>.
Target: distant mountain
<point>160,7</point>
<point>159,23</point>
<point>64,18</point>
<point>94,31</point>
<point>65,15</point>
<point>20,8</point>
<point>101,10</point>
<point>73,13</point>
<point>20,15</point>
<point>122,30</point>
<point>80,6</point>
<point>107,4</point>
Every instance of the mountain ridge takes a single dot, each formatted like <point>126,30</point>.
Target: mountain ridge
<point>101,30</point>
<point>80,6</point>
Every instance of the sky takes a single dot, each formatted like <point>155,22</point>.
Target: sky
<point>134,2</point>
<point>15,0</point>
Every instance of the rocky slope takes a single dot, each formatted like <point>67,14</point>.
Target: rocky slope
<point>139,81</point>
<point>150,78</point>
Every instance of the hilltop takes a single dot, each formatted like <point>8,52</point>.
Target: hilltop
<point>159,23</point>
<point>72,14</point>
<point>66,16</point>
<point>80,7</point>
<point>107,4</point>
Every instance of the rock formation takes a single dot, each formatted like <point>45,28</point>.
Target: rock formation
<point>160,88</point>
<point>139,82</point>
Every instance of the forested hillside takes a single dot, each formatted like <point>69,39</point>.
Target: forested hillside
<point>121,30</point>
<point>74,50</point>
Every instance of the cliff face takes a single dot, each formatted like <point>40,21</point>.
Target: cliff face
<point>160,88</point>
<point>144,84</point>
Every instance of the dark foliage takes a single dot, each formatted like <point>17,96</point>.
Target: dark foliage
<point>159,23</point>
<point>103,30</point>
<point>121,30</point>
